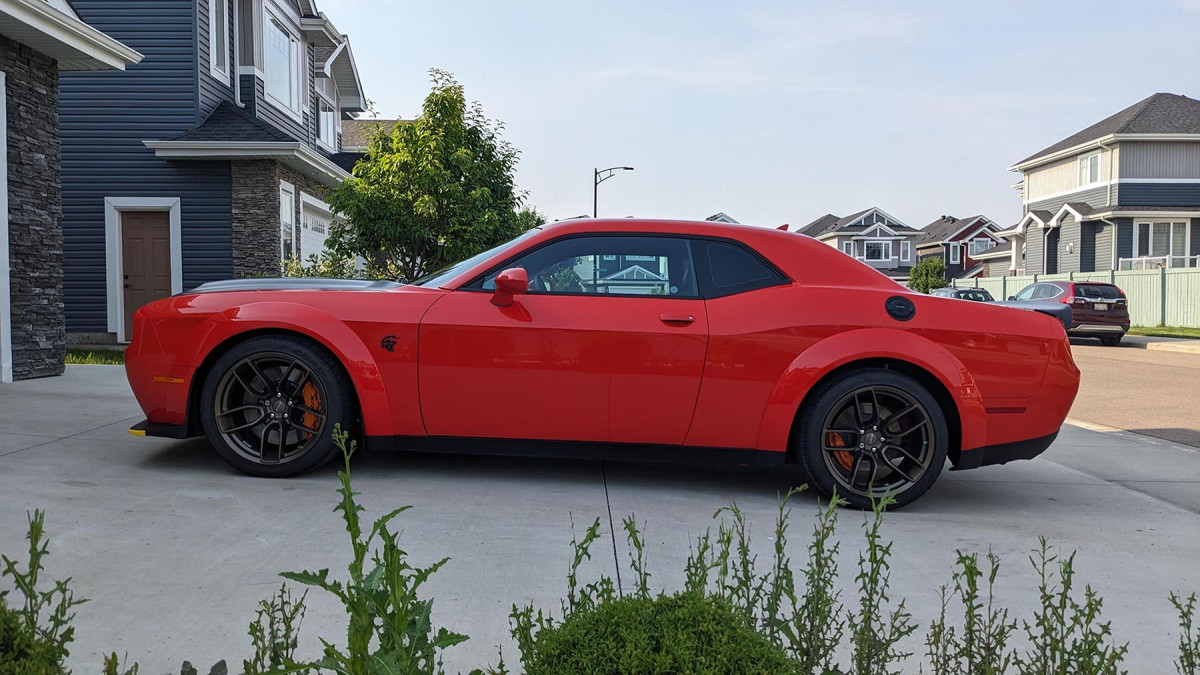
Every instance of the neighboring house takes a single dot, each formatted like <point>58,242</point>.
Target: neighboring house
<point>1122,194</point>
<point>959,242</point>
<point>356,137</point>
<point>722,217</point>
<point>39,39</point>
<point>208,160</point>
<point>872,236</point>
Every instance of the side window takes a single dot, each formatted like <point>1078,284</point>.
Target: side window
<point>609,265</point>
<point>1045,291</point>
<point>727,268</point>
<point>1027,292</point>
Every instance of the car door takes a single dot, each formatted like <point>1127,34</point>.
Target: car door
<point>608,344</point>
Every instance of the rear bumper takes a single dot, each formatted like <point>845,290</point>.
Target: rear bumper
<point>1004,452</point>
<point>160,430</point>
<point>1098,329</point>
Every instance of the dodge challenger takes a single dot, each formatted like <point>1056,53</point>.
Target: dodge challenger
<point>623,339</point>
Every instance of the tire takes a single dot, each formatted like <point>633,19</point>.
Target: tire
<point>268,405</point>
<point>904,467</point>
<point>1111,340</point>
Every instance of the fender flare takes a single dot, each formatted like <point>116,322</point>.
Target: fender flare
<point>841,349</point>
<point>316,324</point>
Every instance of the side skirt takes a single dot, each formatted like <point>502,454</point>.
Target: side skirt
<point>1003,453</point>
<point>622,452</point>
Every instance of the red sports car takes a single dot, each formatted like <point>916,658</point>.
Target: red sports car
<point>629,339</point>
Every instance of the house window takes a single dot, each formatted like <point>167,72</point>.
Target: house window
<point>287,221</point>
<point>848,247</point>
<point>315,223</point>
<point>284,65</point>
<point>1162,245</point>
<point>328,127</point>
<point>1089,169</point>
<point>905,251</point>
<point>980,245</point>
<point>218,42</point>
<point>879,250</point>
<point>954,254</point>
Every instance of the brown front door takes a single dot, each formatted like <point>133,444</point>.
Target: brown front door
<point>146,260</point>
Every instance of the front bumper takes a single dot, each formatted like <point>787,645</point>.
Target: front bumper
<point>1003,453</point>
<point>159,430</point>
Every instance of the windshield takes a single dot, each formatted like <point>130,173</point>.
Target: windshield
<point>435,279</point>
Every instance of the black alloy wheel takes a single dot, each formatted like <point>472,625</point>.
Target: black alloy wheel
<point>873,433</point>
<point>269,405</point>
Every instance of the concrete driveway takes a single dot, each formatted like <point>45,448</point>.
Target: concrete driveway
<point>175,549</point>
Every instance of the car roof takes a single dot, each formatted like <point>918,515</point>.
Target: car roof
<point>800,257</point>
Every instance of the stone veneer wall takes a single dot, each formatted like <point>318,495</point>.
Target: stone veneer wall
<point>34,211</point>
<point>256,238</point>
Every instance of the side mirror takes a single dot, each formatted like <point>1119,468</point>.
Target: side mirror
<point>510,282</point>
<point>1011,298</point>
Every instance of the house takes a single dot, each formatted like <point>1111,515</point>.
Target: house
<point>722,217</point>
<point>872,236</point>
<point>40,41</point>
<point>208,160</point>
<point>959,242</point>
<point>1121,194</point>
<point>356,138</point>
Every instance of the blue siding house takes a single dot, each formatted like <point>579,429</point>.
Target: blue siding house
<point>207,160</point>
<point>1121,194</point>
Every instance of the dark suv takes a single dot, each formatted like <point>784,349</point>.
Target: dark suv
<point>1100,310</point>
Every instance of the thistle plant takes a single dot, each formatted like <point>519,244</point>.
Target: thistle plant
<point>1189,635</point>
<point>875,632</point>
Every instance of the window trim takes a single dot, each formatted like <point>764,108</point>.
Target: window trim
<point>272,12</point>
<point>848,245</point>
<point>955,253</point>
<point>905,250</point>
<point>286,187</point>
<point>971,245</point>
<point>1088,159</point>
<point>214,70</point>
<point>337,123</point>
<point>882,242</point>
<point>475,284</point>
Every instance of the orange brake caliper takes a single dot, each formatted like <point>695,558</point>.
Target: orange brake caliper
<point>312,400</point>
<point>844,458</point>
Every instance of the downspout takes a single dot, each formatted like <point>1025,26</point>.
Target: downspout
<point>236,70</point>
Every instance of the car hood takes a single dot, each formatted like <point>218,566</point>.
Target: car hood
<point>295,284</point>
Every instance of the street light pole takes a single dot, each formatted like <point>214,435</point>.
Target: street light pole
<point>598,178</point>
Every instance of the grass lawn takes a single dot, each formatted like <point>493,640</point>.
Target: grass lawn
<point>1165,331</point>
<point>97,357</point>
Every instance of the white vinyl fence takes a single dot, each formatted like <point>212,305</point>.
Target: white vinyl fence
<point>1157,297</point>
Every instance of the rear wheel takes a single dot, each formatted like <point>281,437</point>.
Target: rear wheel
<point>872,433</point>
<point>1110,340</point>
<point>269,405</point>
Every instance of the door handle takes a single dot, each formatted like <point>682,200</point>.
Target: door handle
<point>671,317</point>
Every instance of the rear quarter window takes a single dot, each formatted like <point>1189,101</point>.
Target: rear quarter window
<point>727,268</point>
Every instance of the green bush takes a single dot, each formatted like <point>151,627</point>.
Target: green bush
<point>927,275</point>
<point>22,650</point>
<point>683,633</point>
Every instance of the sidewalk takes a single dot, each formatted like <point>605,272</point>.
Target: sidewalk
<point>1165,344</point>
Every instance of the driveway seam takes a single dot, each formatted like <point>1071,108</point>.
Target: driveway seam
<point>612,531</point>
<point>1133,489</point>
<point>64,438</point>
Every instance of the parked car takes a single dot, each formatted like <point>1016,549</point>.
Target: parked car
<point>634,339</point>
<point>975,294</point>
<point>1100,310</point>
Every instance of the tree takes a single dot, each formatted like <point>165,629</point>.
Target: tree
<point>928,274</point>
<point>431,191</point>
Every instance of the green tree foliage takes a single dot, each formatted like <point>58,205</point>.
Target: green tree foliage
<point>928,274</point>
<point>431,191</point>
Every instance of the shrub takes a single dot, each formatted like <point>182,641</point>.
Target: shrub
<point>927,275</point>
<point>34,635</point>
<point>680,633</point>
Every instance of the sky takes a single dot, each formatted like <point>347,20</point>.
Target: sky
<point>778,112</point>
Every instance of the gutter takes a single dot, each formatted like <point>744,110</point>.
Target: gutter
<point>55,24</point>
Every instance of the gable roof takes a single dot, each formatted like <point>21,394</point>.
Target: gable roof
<point>829,223</point>
<point>941,229</point>
<point>722,217</point>
<point>1157,114</point>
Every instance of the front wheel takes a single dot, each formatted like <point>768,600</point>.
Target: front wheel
<point>872,433</point>
<point>269,405</point>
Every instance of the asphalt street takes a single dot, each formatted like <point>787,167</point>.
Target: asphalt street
<point>175,549</point>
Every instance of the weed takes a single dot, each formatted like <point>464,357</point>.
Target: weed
<point>1189,635</point>
<point>875,633</point>
<point>275,632</point>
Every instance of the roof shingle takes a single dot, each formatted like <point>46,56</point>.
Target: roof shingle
<point>1157,114</point>
<point>227,122</point>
